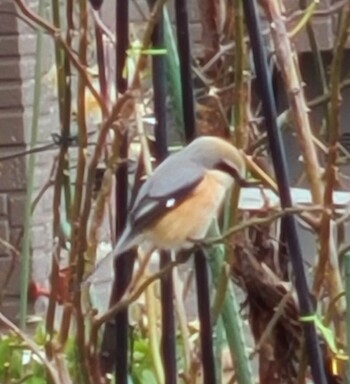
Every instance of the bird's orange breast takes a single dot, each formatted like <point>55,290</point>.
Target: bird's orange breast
<point>191,219</point>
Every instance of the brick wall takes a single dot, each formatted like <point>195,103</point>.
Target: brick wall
<point>17,65</point>
<point>12,172</point>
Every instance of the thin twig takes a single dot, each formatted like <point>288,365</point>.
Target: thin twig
<point>261,220</point>
<point>328,268</point>
<point>56,34</point>
<point>131,296</point>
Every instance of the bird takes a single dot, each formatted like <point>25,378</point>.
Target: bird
<point>176,205</point>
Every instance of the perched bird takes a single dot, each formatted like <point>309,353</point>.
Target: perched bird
<point>176,205</point>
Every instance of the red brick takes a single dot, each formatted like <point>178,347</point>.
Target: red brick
<point>10,95</point>
<point>16,209</point>
<point>10,309</point>
<point>6,265</point>
<point>4,234</point>
<point>12,173</point>
<point>9,69</point>
<point>10,24</point>
<point>16,237</point>
<point>11,45</point>
<point>11,128</point>
<point>8,19</point>
<point>3,204</point>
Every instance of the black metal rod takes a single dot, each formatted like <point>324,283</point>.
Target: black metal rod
<point>122,39</point>
<point>280,165</point>
<point>124,264</point>
<point>160,89</point>
<point>123,267</point>
<point>183,43</point>
<point>168,340</point>
<point>203,294</point>
<point>114,350</point>
<point>203,298</point>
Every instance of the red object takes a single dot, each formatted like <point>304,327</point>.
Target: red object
<point>35,290</point>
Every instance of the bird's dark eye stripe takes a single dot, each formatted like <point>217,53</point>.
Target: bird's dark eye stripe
<point>234,172</point>
<point>228,168</point>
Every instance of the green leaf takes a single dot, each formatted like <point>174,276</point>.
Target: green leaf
<point>36,380</point>
<point>148,377</point>
<point>326,332</point>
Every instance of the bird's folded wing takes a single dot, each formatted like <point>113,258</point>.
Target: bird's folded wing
<point>167,188</point>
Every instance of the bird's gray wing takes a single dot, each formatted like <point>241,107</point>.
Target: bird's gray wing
<point>164,190</point>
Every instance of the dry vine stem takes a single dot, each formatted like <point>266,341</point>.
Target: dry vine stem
<point>288,65</point>
<point>328,254</point>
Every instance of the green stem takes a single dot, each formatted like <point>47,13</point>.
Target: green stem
<point>231,318</point>
<point>64,96</point>
<point>172,60</point>
<point>25,262</point>
<point>153,334</point>
<point>218,348</point>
